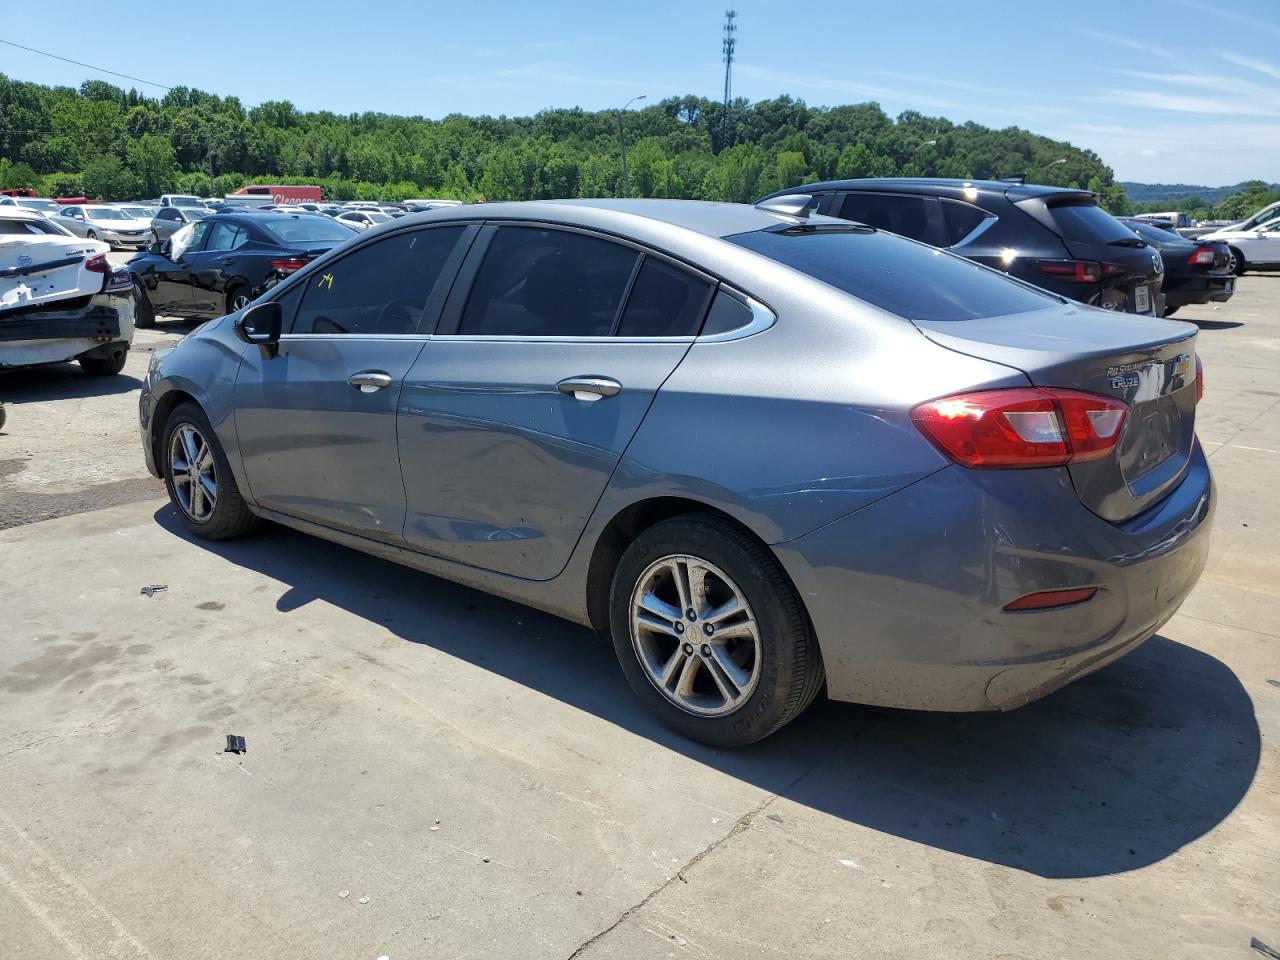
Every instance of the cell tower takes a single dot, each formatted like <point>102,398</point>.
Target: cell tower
<point>730,41</point>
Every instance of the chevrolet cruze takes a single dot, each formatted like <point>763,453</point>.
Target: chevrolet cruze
<point>775,454</point>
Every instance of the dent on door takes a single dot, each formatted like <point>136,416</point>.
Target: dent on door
<point>503,460</point>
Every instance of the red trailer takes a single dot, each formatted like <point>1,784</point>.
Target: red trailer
<point>281,193</point>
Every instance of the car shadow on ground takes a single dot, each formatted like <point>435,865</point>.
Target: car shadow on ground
<point>60,381</point>
<point>1110,774</point>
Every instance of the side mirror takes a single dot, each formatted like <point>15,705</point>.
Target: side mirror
<point>261,324</point>
<point>156,248</point>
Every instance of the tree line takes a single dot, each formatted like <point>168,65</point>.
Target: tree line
<point>1252,196</point>
<point>103,141</point>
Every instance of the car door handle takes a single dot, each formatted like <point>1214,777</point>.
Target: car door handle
<point>370,381</point>
<point>228,261</point>
<point>589,389</point>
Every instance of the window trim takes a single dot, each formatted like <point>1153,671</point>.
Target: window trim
<point>435,299</point>
<point>451,317</point>
<point>988,220</point>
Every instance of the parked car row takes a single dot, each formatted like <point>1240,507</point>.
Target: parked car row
<point>975,489</point>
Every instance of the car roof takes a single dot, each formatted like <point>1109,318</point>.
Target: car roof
<point>19,213</point>
<point>710,218</point>
<point>939,186</point>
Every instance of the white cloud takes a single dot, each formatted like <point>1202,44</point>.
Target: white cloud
<point>1180,103</point>
<point>1205,81</point>
<point>1121,41</point>
<point>1215,10</point>
<point>1250,64</point>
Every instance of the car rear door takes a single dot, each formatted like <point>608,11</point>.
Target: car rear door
<point>317,423</point>
<point>513,418</point>
<point>209,266</point>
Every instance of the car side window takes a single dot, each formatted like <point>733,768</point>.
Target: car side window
<point>168,213</point>
<point>905,215</point>
<point>535,282</point>
<point>959,220</point>
<point>225,236</point>
<point>665,301</point>
<point>379,288</point>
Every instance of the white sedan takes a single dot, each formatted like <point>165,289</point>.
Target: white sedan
<point>60,299</point>
<point>1257,248</point>
<point>96,221</point>
<point>362,219</point>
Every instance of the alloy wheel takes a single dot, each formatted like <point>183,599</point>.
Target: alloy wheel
<point>695,635</point>
<point>239,301</point>
<point>195,479</point>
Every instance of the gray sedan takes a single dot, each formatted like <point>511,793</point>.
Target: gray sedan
<point>169,220</point>
<point>100,222</point>
<point>773,454</point>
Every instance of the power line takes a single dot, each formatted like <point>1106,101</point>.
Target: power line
<point>88,66</point>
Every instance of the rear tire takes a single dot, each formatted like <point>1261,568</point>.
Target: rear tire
<point>103,366</point>
<point>774,680</point>
<point>1237,262</point>
<point>237,297</point>
<point>1170,311</point>
<point>191,452</point>
<point>144,312</point>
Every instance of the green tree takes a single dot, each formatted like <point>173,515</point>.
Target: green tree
<point>106,178</point>
<point>153,162</point>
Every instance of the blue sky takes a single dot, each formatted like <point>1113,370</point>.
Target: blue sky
<point>1163,90</point>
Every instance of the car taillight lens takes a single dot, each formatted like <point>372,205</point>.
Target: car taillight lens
<point>1049,599</point>
<point>288,264</point>
<point>1199,379</point>
<point>1202,256</point>
<point>1077,271</point>
<point>98,264</point>
<point>1022,427</point>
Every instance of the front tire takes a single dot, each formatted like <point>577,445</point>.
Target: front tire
<point>91,235</point>
<point>740,660</point>
<point>198,478</point>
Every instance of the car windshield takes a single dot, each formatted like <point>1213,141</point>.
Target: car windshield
<point>293,230</point>
<point>11,228</point>
<point>1088,223</point>
<point>34,203</point>
<point>194,213</point>
<point>138,213</point>
<point>105,213</point>
<point>909,279</point>
<point>375,216</point>
<point>186,201</point>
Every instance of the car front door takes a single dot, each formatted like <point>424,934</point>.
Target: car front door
<point>1262,247</point>
<point>210,266</point>
<point>170,285</point>
<point>73,219</point>
<point>317,423</point>
<point>516,413</point>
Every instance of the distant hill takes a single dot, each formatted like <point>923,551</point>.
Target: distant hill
<point>1173,192</point>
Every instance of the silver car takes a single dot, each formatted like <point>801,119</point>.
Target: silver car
<point>106,223</point>
<point>772,453</point>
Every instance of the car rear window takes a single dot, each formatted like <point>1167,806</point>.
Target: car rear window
<point>305,230</point>
<point>909,279</point>
<point>1087,222</point>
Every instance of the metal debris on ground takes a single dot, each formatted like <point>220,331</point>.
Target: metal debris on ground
<point>151,589</point>
<point>774,816</point>
<point>1263,949</point>
<point>235,744</point>
<point>364,900</point>
<point>343,894</point>
<point>1274,683</point>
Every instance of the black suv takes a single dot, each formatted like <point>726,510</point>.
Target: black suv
<point>1054,237</point>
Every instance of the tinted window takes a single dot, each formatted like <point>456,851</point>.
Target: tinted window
<point>727,313</point>
<point>912,281</point>
<point>378,289</point>
<point>12,227</point>
<point>548,283</point>
<point>907,216</point>
<point>225,236</point>
<point>959,220</point>
<point>1087,223</point>
<point>665,301</point>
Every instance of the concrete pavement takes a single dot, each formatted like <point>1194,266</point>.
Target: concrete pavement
<point>481,774</point>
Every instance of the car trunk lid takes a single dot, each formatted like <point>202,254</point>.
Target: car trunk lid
<point>1149,364</point>
<point>42,269</point>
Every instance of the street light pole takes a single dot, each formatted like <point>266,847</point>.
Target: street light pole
<point>622,143</point>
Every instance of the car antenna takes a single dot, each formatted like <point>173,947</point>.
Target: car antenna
<point>798,205</point>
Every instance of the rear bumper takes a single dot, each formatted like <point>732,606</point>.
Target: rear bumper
<point>1183,291</point>
<point>94,322</point>
<point>907,596</point>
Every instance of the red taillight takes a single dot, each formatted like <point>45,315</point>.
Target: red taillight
<point>1199,379</point>
<point>1022,426</point>
<point>1203,256</point>
<point>98,263</point>
<point>1077,271</point>
<point>1048,599</point>
<point>288,264</point>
